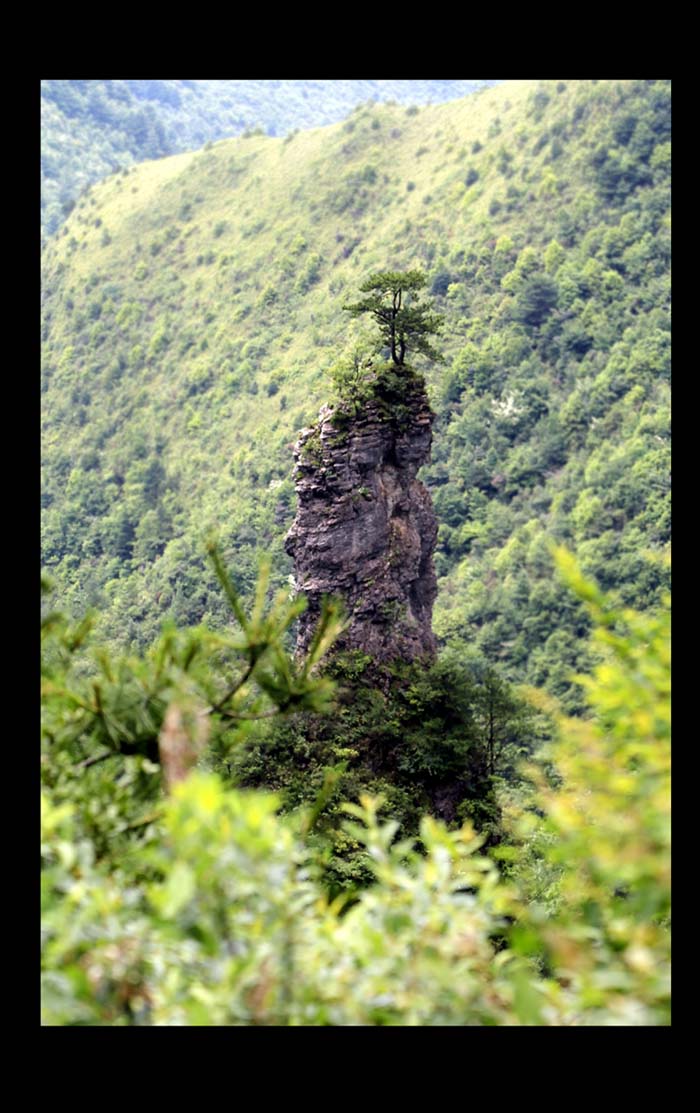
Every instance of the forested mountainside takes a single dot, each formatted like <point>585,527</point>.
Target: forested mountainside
<point>92,128</point>
<point>192,313</point>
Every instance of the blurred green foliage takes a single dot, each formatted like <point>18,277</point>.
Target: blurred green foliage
<point>440,740</point>
<point>604,924</point>
<point>111,725</point>
<point>220,919</point>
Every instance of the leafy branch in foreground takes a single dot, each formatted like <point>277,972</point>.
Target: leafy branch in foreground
<point>230,927</point>
<point>604,829</point>
<point>112,723</point>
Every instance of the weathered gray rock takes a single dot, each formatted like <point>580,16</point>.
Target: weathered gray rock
<point>365,529</point>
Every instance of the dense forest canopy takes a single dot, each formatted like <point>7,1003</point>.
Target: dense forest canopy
<point>191,319</point>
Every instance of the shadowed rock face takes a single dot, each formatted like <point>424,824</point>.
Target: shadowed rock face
<point>365,529</point>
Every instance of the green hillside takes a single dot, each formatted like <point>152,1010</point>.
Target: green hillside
<point>92,128</point>
<point>192,311</point>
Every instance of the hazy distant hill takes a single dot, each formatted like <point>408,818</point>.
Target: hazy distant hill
<point>91,128</point>
<point>192,308</point>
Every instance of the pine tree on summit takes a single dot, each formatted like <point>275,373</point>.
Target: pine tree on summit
<point>403,326</point>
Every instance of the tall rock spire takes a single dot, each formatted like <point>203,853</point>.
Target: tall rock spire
<point>365,529</point>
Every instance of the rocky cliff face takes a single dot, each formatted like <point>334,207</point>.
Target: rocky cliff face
<point>365,529</point>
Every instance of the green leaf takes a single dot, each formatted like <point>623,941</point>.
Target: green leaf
<point>178,889</point>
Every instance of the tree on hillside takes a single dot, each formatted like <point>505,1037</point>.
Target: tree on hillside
<point>404,323</point>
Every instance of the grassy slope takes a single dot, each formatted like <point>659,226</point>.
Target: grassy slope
<point>91,128</point>
<point>192,308</point>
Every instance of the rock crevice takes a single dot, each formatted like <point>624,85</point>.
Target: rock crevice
<point>365,529</point>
